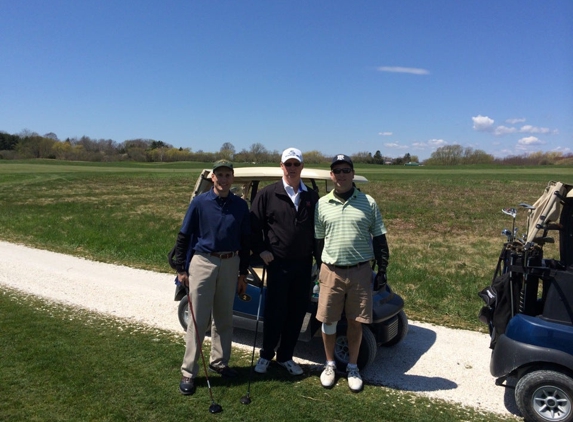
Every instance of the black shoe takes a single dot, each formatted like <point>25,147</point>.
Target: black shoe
<point>224,371</point>
<point>187,386</point>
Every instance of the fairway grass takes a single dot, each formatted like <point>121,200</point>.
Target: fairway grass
<point>61,363</point>
<point>443,224</point>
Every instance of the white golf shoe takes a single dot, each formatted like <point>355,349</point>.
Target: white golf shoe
<point>262,365</point>
<point>292,367</point>
<point>328,376</point>
<point>354,380</point>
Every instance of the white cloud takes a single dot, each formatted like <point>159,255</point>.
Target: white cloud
<point>534,129</point>
<point>530,140</point>
<point>485,124</point>
<point>398,69</point>
<point>482,123</point>
<point>436,143</point>
<point>385,133</point>
<point>432,143</point>
<point>504,130</point>
<point>395,145</point>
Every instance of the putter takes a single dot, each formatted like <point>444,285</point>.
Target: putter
<point>214,408</point>
<point>246,399</point>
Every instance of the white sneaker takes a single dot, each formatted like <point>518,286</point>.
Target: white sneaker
<point>354,379</point>
<point>328,376</point>
<point>292,367</point>
<point>262,365</point>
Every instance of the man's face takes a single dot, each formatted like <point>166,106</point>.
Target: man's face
<point>222,180</point>
<point>291,170</point>
<point>342,175</point>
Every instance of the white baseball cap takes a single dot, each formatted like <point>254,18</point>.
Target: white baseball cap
<point>291,153</point>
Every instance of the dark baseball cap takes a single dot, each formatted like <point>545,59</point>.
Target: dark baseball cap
<point>341,158</point>
<point>222,163</point>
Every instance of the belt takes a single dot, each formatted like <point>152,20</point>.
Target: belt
<point>224,255</point>
<point>350,266</point>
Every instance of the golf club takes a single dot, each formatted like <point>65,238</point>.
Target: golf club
<point>530,209</point>
<point>246,399</point>
<point>512,212</point>
<point>214,408</point>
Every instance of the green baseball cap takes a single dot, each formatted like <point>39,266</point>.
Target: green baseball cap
<point>222,163</point>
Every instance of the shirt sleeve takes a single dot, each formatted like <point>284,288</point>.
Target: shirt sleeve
<point>378,228</point>
<point>319,231</point>
<point>257,224</point>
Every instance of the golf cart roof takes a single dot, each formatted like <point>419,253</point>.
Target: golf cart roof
<point>275,173</point>
<point>247,179</point>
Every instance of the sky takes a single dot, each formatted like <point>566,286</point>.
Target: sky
<point>395,76</point>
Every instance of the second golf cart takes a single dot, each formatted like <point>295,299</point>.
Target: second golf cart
<point>529,308</point>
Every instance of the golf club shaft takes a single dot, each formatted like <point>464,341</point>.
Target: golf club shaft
<point>256,329</point>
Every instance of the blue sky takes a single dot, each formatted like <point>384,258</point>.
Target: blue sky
<point>335,76</point>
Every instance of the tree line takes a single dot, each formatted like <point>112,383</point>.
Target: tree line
<point>27,145</point>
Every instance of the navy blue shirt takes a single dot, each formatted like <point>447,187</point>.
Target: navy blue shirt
<point>215,224</point>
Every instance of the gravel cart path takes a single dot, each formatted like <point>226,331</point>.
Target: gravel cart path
<point>433,361</point>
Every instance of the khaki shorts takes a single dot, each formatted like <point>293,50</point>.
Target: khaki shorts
<point>345,289</point>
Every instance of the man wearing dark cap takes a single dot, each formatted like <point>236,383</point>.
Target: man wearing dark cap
<point>350,233</point>
<point>216,233</point>
<point>282,221</point>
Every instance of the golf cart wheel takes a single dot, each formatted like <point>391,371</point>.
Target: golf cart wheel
<point>367,351</point>
<point>544,395</point>
<point>183,312</point>
<point>401,332</point>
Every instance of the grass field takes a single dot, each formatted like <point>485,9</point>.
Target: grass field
<point>444,224</point>
<point>65,364</point>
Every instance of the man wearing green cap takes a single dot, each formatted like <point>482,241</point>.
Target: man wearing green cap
<point>216,233</point>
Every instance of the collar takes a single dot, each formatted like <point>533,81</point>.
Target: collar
<point>332,197</point>
<point>301,186</point>
<point>212,195</point>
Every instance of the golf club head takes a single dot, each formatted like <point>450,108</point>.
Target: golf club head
<point>507,234</point>
<point>215,408</point>
<point>527,206</point>
<point>512,212</point>
<point>246,399</point>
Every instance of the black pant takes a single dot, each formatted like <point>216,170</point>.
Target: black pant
<point>287,297</point>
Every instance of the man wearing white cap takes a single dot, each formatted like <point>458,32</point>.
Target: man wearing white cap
<point>282,223</point>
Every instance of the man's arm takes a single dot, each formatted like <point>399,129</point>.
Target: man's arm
<point>257,216</point>
<point>318,247</point>
<point>181,248</point>
<point>382,254</point>
<point>381,251</point>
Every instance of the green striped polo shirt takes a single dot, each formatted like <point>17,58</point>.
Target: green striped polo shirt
<point>347,228</point>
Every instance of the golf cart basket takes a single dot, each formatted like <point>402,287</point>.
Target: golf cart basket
<point>523,281</point>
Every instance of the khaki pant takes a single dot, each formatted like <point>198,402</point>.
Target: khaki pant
<point>212,286</point>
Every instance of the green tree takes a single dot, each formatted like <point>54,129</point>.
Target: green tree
<point>8,142</point>
<point>227,151</point>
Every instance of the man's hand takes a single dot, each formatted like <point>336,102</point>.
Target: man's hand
<point>380,280</point>
<point>183,279</point>
<point>267,257</point>
<point>242,285</point>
